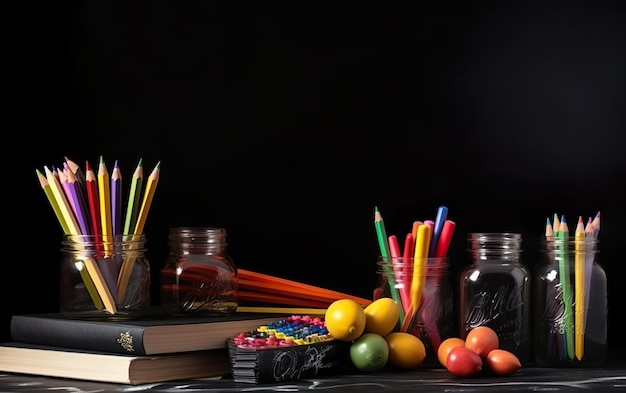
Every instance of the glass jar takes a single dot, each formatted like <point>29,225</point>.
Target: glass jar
<point>104,277</point>
<point>570,304</point>
<point>494,290</point>
<point>199,277</point>
<point>433,320</point>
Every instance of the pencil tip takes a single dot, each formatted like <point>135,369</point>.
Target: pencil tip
<point>563,218</point>
<point>140,162</point>
<point>101,160</point>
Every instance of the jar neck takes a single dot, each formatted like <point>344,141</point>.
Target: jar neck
<point>201,239</point>
<point>495,247</point>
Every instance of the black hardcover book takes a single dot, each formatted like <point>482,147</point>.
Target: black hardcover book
<point>156,333</point>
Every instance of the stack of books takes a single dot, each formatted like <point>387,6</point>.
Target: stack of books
<point>156,348</point>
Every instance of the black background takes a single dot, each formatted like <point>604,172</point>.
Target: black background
<point>287,123</point>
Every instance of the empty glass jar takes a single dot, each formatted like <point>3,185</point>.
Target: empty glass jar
<point>495,291</point>
<point>199,277</point>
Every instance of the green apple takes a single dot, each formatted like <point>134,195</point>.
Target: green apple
<point>369,352</point>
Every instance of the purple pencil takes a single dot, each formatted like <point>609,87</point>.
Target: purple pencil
<point>78,202</point>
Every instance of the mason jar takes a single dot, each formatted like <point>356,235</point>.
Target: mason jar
<point>494,291</point>
<point>570,304</point>
<point>427,313</point>
<point>104,277</point>
<point>199,277</point>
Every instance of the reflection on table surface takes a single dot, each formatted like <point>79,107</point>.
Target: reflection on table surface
<point>611,378</point>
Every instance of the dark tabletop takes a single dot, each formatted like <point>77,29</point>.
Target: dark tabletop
<point>610,378</point>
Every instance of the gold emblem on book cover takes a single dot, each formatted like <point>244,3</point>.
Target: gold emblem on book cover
<point>126,341</point>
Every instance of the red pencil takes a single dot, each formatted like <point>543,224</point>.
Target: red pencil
<point>91,185</point>
<point>444,239</point>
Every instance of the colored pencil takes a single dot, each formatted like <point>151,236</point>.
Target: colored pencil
<point>93,201</point>
<point>134,196</point>
<point>64,205</point>
<point>416,224</point>
<point>445,239</point>
<point>55,206</point>
<point>296,286</point>
<point>440,219</point>
<point>566,285</point>
<point>579,286</point>
<point>80,176</point>
<point>148,194</point>
<point>104,197</point>
<point>590,237</point>
<point>420,265</point>
<point>116,200</point>
<point>66,190</point>
<point>76,195</point>
<point>72,229</point>
<point>127,265</point>
<point>596,225</point>
<point>556,224</point>
<point>381,232</point>
<point>407,272</point>
<point>396,258</point>
<point>549,230</point>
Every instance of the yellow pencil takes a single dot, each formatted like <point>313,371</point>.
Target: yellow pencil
<point>127,265</point>
<point>72,229</point>
<point>579,281</point>
<point>420,265</point>
<point>55,206</point>
<point>151,184</point>
<point>104,196</point>
<point>62,202</point>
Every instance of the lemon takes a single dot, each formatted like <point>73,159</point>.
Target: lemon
<point>345,319</point>
<point>382,316</point>
<point>406,351</point>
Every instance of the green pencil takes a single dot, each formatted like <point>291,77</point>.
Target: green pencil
<point>384,252</point>
<point>564,278</point>
<point>134,196</point>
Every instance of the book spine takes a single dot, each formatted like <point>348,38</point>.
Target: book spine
<point>87,335</point>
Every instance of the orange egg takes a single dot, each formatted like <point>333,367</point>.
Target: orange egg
<point>446,346</point>
<point>502,362</point>
<point>482,340</point>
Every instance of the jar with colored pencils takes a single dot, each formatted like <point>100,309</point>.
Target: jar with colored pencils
<point>199,277</point>
<point>104,277</point>
<point>570,304</point>
<point>422,287</point>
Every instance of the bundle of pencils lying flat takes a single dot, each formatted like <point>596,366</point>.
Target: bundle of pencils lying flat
<point>267,290</point>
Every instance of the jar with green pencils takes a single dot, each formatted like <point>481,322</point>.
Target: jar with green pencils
<point>570,303</point>
<point>199,277</point>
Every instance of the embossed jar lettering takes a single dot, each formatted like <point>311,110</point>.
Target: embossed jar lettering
<point>568,333</point>
<point>495,291</point>
<point>199,277</point>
